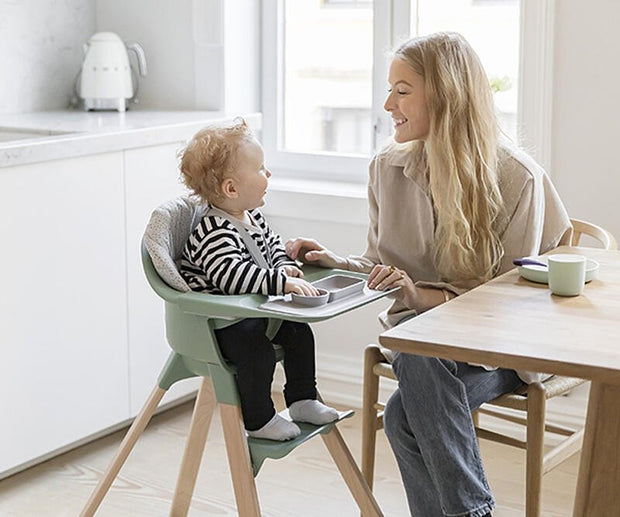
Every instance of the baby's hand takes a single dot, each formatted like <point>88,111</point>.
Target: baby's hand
<point>299,286</point>
<point>292,271</point>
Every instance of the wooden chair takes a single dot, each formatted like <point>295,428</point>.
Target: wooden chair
<point>530,400</point>
<point>191,319</point>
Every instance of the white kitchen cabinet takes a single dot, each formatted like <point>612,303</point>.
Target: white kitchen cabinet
<point>152,177</point>
<point>63,304</point>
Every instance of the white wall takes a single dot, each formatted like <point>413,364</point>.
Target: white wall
<point>164,29</point>
<point>586,110</point>
<point>41,51</point>
<point>201,54</point>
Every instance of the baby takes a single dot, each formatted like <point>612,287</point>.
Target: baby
<point>234,251</point>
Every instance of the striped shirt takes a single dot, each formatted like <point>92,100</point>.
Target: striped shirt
<point>216,260</point>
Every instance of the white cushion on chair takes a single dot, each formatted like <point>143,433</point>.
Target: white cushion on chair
<point>166,234</point>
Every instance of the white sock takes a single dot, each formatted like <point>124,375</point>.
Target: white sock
<point>312,411</point>
<point>277,428</point>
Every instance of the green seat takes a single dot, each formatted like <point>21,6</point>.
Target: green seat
<point>191,319</point>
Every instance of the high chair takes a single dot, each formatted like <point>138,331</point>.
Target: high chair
<point>529,400</point>
<point>191,319</point>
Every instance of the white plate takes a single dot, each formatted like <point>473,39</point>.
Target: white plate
<point>539,274</point>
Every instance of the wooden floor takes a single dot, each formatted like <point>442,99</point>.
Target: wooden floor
<point>305,484</point>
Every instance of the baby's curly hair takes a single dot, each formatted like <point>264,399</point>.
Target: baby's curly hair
<point>211,156</point>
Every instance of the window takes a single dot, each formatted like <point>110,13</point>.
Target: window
<point>325,68</point>
<point>318,86</point>
<point>327,77</point>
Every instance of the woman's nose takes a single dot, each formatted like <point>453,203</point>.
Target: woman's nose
<point>387,105</point>
<point>268,173</point>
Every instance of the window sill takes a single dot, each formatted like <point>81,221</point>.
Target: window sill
<point>317,200</point>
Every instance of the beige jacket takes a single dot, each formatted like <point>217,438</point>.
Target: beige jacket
<point>402,220</point>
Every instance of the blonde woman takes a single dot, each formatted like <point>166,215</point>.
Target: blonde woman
<point>450,207</point>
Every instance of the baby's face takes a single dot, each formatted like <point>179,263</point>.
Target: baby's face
<point>251,176</point>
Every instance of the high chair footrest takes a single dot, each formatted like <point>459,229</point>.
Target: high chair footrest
<point>261,449</point>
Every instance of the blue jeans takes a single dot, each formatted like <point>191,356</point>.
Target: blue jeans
<point>429,425</point>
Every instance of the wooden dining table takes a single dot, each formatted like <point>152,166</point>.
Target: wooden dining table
<point>513,323</point>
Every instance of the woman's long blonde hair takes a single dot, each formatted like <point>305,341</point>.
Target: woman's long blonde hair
<point>462,155</point>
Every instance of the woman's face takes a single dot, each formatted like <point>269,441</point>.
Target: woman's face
<point>406,102</point>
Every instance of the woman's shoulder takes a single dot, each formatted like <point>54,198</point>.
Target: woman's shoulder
<point>515,165</point>
<point>395,154</point>
<point>519,175</point>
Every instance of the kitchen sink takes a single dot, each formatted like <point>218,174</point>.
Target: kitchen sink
<point>9,134</point>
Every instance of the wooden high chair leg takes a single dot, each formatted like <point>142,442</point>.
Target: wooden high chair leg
<point>239,461</point>
<point>194,448</point>
<point>351,473</point>
<point>127,445</point>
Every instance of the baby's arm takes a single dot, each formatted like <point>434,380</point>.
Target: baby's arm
<point>247,278</point>
<point>293,271</point>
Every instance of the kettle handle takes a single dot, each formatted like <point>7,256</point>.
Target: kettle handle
<point>139,51</point>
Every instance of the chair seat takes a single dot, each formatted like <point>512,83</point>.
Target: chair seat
<point>554,386</point>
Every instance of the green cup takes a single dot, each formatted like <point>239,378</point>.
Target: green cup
<point>567,274</point>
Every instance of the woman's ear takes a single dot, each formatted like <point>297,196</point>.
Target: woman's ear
<point>229,188</point>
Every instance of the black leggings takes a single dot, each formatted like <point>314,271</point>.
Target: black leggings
<point>245,345</point>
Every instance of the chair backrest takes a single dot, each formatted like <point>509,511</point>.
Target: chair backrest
<point>605,238</point>
<point>191,336</point>
<point>167,232</point>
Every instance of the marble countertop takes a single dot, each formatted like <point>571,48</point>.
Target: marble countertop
<point>72,133</point>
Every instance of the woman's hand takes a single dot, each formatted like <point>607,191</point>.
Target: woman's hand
<point>310,251</point>
<point>292,271</point>
<point>300,286</point>
<point>420,299</point>
<point>383,278</point>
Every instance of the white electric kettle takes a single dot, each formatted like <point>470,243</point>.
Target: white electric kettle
<point>107,81</point>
